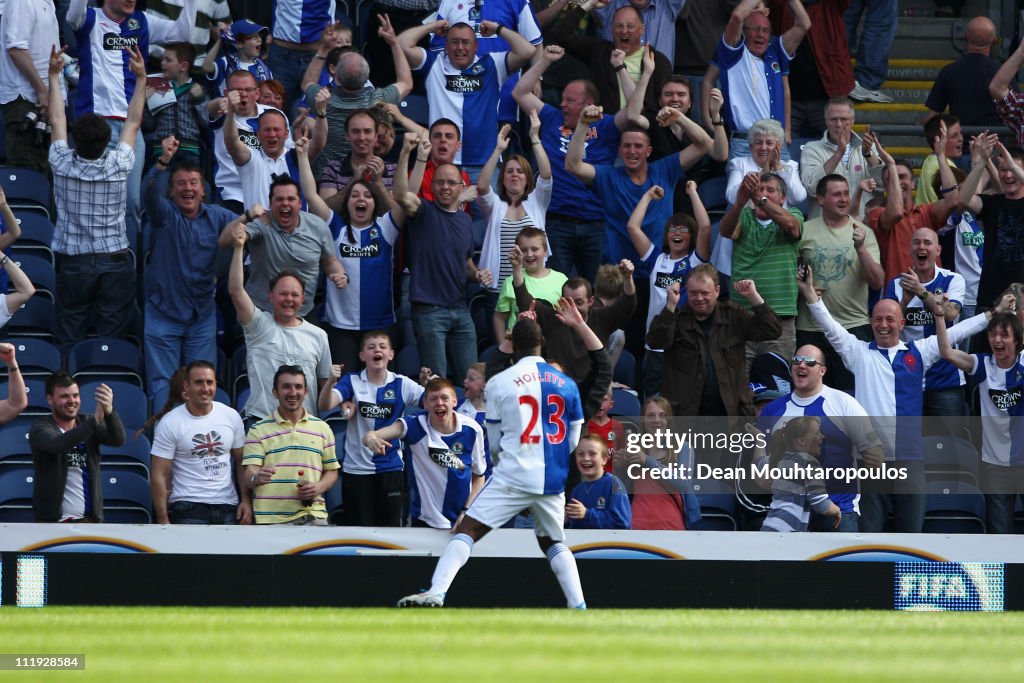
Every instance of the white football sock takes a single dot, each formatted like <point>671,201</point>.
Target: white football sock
<point>563,564</point>
<point>450,562</point>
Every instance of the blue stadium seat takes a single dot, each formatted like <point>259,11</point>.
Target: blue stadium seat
<point>718,508</point>
<point>712,195</point>
<point>14,447</point>
<point>16,494</point>
<point>126,498</point>
<point>36,389</point>
<point>625,369</point>
<point>26,189</point>
<point>796,148</point>
<point>242,399</point>
<point>130,402</point>
<point>954,508</point>
<point>133,455</point>
<point>415,107</point>
<point>36,357</point>
<point>951,458</point>
<point>408,362</point>
<point>35,318</point>
<point>626,403</point>
<point>36,235</point>
<point>40,273</point>
<point>107,358</point>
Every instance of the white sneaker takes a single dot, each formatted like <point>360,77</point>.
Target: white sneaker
<point>862,94</point>
<point>424,599</point>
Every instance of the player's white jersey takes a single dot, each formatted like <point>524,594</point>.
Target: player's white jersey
<point>534,418</point>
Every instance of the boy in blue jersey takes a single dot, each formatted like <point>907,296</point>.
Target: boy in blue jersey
<point>372,483</point>
<point>246,43</point>
<point>599,501</point>
<point>447,456</point>
<point>534,416</point>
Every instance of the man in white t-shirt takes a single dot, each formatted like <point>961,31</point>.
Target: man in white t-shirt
<point>193,448</point>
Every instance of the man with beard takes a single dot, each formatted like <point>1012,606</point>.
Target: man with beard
<point>66,452</point>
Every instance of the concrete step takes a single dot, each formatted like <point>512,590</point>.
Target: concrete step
<point>927,28</point>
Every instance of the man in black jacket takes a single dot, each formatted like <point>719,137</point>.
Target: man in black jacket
<point>66,453</point>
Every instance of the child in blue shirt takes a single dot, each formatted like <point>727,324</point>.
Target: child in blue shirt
<point>600,500</point>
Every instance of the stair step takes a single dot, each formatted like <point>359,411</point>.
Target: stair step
<point>893,107</point>
<point>921,28</point>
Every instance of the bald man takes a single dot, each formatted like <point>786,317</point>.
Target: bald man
<point>890,373</point>
<point>963,85</point>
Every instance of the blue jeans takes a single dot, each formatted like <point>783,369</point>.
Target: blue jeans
<point>1002,485</point>
<point>288,67</point>
<point>133,212</point>
<point>189,512</point>
<point>880,20</point>
<point>578,246</point>
<point>906,498</point>
<point>443,333</point>
<point>97,289</point>
<point>171,344</point>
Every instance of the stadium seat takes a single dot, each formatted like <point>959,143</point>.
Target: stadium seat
<point>16,494</point>
<point>126,498</point>
<point>626,403</point>
<point>35,318</point>
<point>954,508</point>
<point>712,195</point>
<point>133,455</point>
<point>36,236</point>
<point>415,107</point>
<point>796,148</point>
<point>625,369</point>
<point>107,358</point>
<point>26,189</point>
<point>239,370</point>
<point>717,507</point>
<point>36,389</point>
<point>14,448</point>
<point>950,458</point>
<point>40,273</point>
<point>222,397</point>
<point>36,357</point>
<point>130,402</point>
<point>408,362</point>
<point>242,399</point>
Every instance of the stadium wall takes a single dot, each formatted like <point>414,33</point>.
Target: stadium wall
<point>153,565</point>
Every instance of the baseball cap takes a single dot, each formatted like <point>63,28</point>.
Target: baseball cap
<point>763,393</point>
<point>247,28</point>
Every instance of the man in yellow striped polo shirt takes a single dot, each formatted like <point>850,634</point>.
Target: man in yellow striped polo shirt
<point>289,458</point>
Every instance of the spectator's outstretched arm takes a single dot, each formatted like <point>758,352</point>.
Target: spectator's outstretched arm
<point>981,152</point>
<point>893,194</point>
<point>801,25</point>
<point>316,65</point>
<point>178,31</point>
<point>319,139</point>
<point>595,385</point>
<point>734,29</point>
<point>1001,82</point>
<point>522,49</point>
<point>720,151</point>
<point>483,183</point>
<point>403,72</point>
<point>400,186</point>
<point>245,309</point>
<point>237,150</point>
<point>706,85</point>
<point>13,228</point>
<point>138,102</point>
<point>17,397</point>
<point>702,244</point>
<point>574,155</point>
<point>210,61</point>
<point>635,225</point>
<point>949,200</point>
<point>317,206</point>
<point>702,142</point>
<point>523,92</point>
<point>55,110</point>
<point>23,287</point>
<point>409,40</point>
<point>962,360</point>
<point>730,226</point>
<point>540,155</point>
<point>874,274</point>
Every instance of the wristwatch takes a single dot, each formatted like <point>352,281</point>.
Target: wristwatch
<point>762,201</point>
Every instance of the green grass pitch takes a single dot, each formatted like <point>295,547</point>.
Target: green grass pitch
<point>454,645</point>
